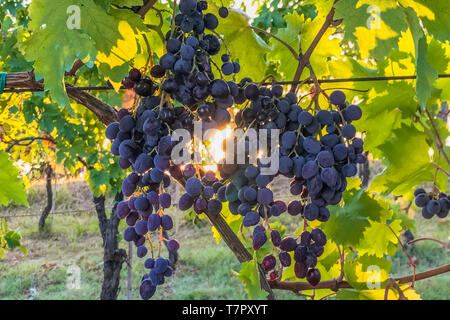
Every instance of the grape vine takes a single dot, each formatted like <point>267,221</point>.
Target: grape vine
<point>206,67</point>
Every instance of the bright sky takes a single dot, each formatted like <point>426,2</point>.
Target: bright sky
<point>251,7</point>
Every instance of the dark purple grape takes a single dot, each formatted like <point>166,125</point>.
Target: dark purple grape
<point>313,277</point>
<point>165,200</point>
<point>295,208</point>
<point>173,245</point>
<point>200,205</point>
<point>122,209</point>
<point>288,244</point>
<point>300,270</point>
<point>285,259</point>
<point>268,262</point>
<point>147,289</point>
<point>129,234</point>
<point>337,98</point>
<point>214,206</point>
<point>166,222</point>
<point>141,227</point>
<point>149,263</point>
<point>259,239</point>
<point>305,238</point>
<point>141,251</point>
<point>251,218</point>
<point>211,21</point>
<point>154,222</point>
<point>223,12</point>
<point>275,237</point>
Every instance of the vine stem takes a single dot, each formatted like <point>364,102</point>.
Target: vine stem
<point>439,168</point>
<point>413,265</point>
<point>401,295</point>
<point>151,244</point>
<point>13,86</point>
<point>435,189</point>
<point>445,245</point>
<point>304,60</point>
<point>439,143</point>
<point>333,284</point>
<point>30,140</point>
<point>294,53</point>
<point>146,8</point>
<point>328,295</point>
<point>150,54</point>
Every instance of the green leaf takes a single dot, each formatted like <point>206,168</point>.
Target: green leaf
<point>405,168</point>
<point>297,24</point>
<point>234,30</point>
<point>11,187</point>
<point>12,238</point>
<point>426,74</point>
<point>52,40</point>
<point>435,16</point>
<point>367,272</point>
<point>378,238</point>
<point>279,52</point>
<point>249,275</point>
<point>330,255</point>
<point>352,217</point>
<point>374,32</point>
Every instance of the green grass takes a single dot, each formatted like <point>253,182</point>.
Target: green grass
<point>429,255</point>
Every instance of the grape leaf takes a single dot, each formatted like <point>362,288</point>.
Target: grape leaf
<point>330,255</point>
<point>367,272</point>
<point>52,40</point>
<point>426,74</point>
<point>350,294</point>
<point>249,275</point>
<point>378,237</point>
<point>307,29</point>
<point>404,168</point>
<point>374,27</point>
<point>353,217</point>
<point>379,129</point>
<point>435,16</point>
<point>11,187</point>
<point>234,30</point>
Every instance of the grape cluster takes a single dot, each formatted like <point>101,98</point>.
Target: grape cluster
<point>187,65</point>
<point>305,252</point>
<point>159,269</point>
<point>432,204</point>
<point>317,163</point>
<point>142,86</point>
<point>141,140</point>
<point>200,193</point>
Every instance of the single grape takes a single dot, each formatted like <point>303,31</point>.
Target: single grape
<point>288,244</point>
<point>166,222</point>
<point>313,277</point>
<point>337,97</point>
<point>251,218</point>
<point>223,12</point>
<point>173,245</point>
<point>285,259</point>
<point>268,263</point>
